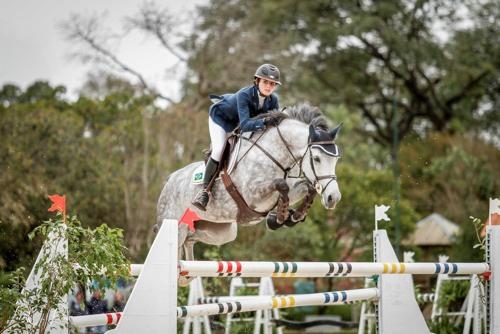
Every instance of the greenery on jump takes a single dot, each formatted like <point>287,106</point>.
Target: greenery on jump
<point>99,254</point>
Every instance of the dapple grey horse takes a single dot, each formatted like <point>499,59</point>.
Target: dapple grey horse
<point>258,178</point>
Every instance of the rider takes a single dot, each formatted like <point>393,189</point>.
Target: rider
<point>238,109</point>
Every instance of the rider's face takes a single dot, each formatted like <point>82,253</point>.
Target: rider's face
<point>267,87</point>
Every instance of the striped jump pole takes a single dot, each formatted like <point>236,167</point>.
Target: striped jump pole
<point>322,269</point>
<point>253,303</point>
<point>225,299</point>
<point>271,302</point>
<point>95,319</point>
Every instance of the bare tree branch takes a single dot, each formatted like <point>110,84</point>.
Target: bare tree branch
<point>468,86</point>
<point>380,132</point>
<point>159,23</point>
<point>85,30</point>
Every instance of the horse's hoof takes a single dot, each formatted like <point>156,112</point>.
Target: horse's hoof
<point>272,221</point>
<point>290,223</point>
<point>184,281</point>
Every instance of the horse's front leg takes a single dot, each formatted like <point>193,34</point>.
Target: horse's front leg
<point>276,220</point>
<point>300,213</point>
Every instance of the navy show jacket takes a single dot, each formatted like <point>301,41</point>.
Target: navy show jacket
<point>238,109</point>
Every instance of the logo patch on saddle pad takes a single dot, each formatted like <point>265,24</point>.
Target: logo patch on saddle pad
<point>198,174</point>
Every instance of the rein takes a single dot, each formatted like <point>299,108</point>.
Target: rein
<point>319,188</point>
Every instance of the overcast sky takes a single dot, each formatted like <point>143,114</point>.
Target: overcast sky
<point>32,47</point>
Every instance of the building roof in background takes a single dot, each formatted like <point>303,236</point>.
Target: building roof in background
<point>434,230</point>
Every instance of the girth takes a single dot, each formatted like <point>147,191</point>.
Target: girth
<point>245,213</point>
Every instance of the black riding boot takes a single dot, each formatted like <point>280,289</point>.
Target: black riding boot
<point>202,198</point>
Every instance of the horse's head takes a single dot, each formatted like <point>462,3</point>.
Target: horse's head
<point>319,164</point>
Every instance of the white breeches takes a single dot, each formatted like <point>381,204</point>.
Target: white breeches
<point>217,138</point>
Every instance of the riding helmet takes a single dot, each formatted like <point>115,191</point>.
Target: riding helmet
<point>268,72</point>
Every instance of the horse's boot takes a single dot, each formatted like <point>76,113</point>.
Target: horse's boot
<point>290,222</point>
<point>202,197</point>
<point>272,221</point>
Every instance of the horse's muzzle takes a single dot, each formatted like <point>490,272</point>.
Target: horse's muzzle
<point>330,202</point>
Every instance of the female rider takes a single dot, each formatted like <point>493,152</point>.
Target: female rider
<point>238,109</point>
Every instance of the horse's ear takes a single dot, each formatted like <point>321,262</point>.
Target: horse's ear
<point>334,132</point>
<point>313,134</point>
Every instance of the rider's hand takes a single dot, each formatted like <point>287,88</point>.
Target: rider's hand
<point>271,121</point>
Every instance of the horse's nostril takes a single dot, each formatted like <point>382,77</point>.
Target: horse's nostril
<point>330,198</point>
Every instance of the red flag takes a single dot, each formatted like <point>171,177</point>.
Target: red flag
<point>58,203</point>
<point>188,218</point>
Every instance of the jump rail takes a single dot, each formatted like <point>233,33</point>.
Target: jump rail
<point>245,305</point>
<point>322,269</point>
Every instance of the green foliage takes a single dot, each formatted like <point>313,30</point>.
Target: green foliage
<point>444,325</point>
<point>451,293</point>
<point>362,55</point>
<point>85,256</point>
<point>11,285</point>
<point>109,154</point>
<point>451,298</point>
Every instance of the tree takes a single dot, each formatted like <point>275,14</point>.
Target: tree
<point>368,55</point>
<point>93,43</point>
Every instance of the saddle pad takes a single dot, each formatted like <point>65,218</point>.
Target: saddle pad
<point>198,174</point>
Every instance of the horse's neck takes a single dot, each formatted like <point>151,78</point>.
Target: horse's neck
<point>296,135</point>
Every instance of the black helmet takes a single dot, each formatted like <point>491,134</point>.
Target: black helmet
<point>268,72</point>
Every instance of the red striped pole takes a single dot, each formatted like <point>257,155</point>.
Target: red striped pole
<point>95,319</point>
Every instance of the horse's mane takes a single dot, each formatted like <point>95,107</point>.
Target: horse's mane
<point>308,114</point>
<point>304,113</point>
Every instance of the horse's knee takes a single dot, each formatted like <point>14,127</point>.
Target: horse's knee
<point>282,186</point>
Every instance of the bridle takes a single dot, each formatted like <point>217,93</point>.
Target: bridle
<point>332,177</point>
<point>299,161</point>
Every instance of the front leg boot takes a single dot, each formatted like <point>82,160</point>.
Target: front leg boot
<point>272,221</point>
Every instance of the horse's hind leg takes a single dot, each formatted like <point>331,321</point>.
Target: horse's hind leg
<point>189,256</point>
<point>182,234</point>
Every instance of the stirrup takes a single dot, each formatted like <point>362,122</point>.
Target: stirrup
<point>201,200</point>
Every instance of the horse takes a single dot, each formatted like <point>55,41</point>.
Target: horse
<point>302,163</point>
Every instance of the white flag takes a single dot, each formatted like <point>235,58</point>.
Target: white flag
<point>381,212</point>
<point>494,206</point>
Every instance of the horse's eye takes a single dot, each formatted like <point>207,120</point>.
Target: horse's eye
<point>316,159</point>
